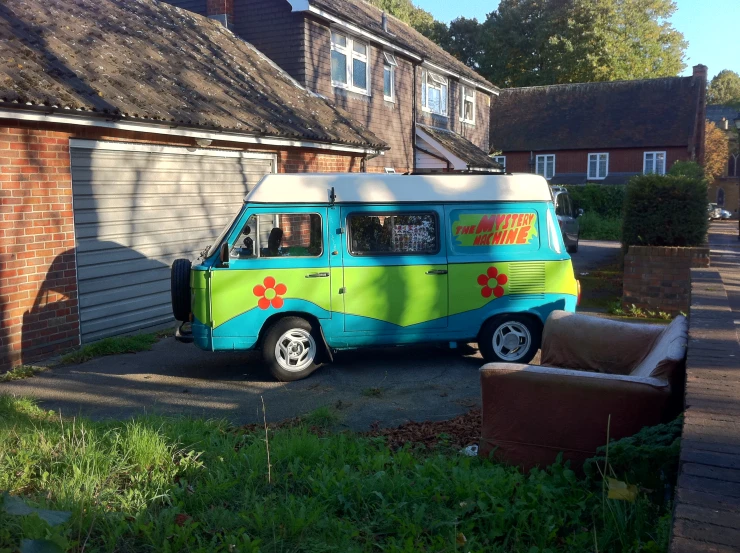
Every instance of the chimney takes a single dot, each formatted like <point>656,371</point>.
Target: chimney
<point>222,11</point>
<point>700,73</point>
<point>384,21</point>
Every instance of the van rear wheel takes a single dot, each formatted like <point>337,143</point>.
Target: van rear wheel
<point>512,338</point>
<point>290,349</point>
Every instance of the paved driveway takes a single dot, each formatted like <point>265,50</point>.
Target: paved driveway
<point>388,386</point>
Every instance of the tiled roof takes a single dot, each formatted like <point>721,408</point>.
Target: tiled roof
<point>620,114</point>
<point>369,18</point>
<point>144,59</point>
<point>461,147</point>
<point>717,112</point>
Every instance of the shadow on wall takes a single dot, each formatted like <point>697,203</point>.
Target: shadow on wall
<point>109,307</point>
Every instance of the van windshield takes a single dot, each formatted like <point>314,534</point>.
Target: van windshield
<point>213,247</point>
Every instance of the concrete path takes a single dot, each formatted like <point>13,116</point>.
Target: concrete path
<point>725,252</point>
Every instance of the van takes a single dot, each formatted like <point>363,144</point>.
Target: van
<point>315,263</point>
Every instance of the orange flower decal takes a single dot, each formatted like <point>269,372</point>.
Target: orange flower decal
<point>270,293</point>
<point>493,283</point>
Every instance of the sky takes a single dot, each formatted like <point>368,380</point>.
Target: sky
<point>712,27</point>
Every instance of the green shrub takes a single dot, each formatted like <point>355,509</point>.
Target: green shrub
<point>648,459</point>
<point>690,169</point>
<point>664,210</point>
<point>597,227</point>
<point>605,200</point>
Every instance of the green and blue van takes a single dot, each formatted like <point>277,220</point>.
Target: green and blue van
<point>315,263</point>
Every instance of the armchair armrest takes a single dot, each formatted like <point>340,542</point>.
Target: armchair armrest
<point>596,344</point>
<point>531,413</point>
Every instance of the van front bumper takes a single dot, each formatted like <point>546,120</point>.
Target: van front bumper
<point>202,336</point>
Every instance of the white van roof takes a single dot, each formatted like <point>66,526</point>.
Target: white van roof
<point>315,188</point>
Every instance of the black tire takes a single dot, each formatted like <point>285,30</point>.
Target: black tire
<point>306,336</point>
<point>519,322</point>
<point>573,248</point>
<point>180,289</point>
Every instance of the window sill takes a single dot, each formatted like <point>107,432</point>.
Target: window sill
<point>350,88</point>
<point>389,99</point>
<point>468,122</point>
<point>589,177</point>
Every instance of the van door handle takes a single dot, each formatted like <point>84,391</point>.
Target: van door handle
<point>437,272</point>
<point>317,275</point>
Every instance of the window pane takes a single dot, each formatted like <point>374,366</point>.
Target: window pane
<point>592,167</point>
<point>387,81</point>
<point>389,234</point>
<point>360,48</point>
<point>648,163</point>
<point>341,40</point>
<point>443,100</point>
<point>550,167</point>
<point>280,235</point>
<point>338,67</point>
<point>359,74</point>
<point>602,165</point>
<point>660,163</point>
<point>433,99</point>
<point>468,115</point>
<point>541,165</point>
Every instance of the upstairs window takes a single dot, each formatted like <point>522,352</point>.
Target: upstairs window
<point>389,77</point>
<point>654,162</point>
<point>467,105</point>
<point>598,166</point>
<point>433,93</point>
<point>349,63</point>
<point>501,160</point>
<point>546,166</point>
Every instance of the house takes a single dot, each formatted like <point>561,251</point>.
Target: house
<point>603,132</point>
<point>724,190</point>
<point>430,108</point>
<point>129,134</point>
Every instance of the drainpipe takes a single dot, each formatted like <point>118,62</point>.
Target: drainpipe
<point>413,123</point>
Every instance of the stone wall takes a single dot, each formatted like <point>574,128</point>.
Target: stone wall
<point>659,278</point>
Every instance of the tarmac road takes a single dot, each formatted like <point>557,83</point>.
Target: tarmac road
<point>387,386</point>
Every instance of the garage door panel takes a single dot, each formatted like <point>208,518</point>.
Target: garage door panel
<point>136,212</point>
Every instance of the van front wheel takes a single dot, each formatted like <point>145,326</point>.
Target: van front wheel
<point>510,338</point>
<point>290,349</point>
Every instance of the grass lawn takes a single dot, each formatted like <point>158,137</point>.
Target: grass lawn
<point>165,484</point>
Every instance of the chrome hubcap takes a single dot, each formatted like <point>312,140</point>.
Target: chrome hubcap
<point>295,350</point>
<point>511,341</point>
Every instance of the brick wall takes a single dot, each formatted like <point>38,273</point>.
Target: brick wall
<point>659,278</point>
<point>315,161</point>
<point>217,7</point>
<point>622,160</point>
<point>38,282</point>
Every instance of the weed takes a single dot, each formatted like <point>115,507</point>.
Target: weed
<point>112,346</point>
<point>182,484</point>
<point>635,312</point>
<point>21,372</point>
<point>372,392</point>
<point>323,417</point>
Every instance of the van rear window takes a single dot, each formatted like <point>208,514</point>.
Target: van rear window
<point>393,233</point>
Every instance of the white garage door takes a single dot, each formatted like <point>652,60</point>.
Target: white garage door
<point>136,209</point>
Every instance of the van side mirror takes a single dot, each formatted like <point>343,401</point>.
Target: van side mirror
<point>223,255</point>
<point>580,212</point>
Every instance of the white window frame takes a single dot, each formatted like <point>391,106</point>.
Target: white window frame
<point>467,93</point>
<point>545,158</point>
<point>654,154</point>
<point>390,64</point>
<point>437,82</point>
<point>349,53</point>
<point>598,156</point>
<point>501,160</point>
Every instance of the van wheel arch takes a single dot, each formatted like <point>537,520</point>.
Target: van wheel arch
<point>313,320</point>
<point>531,321</point>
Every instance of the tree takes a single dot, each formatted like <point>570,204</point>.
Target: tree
<point>537,42</point>
<point>724,88</point>
<point>716,151</point>
<point>464,40</point>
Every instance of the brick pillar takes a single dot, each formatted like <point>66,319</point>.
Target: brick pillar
<point>38,277</point>
<point>700,74</point>
<point>217,9</point>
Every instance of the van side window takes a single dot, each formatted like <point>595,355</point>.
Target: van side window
<point>280,235</point>
<point>393,233</point>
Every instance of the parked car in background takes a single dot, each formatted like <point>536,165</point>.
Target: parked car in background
<point>724,214</point>
<point>567,218</point>
<point>713,211</point>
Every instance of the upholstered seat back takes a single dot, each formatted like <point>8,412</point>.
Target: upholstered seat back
<point>667,354</point>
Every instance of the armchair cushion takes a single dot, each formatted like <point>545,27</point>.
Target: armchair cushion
<point>668,353</point>
<point>596,344</point>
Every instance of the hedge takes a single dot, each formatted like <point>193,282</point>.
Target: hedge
<point>665,210</point>
<point>604,200</point>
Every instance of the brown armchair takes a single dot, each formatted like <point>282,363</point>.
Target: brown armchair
<point>591,368</point>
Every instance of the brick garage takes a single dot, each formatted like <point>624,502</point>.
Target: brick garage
<point>38,277</point>
<point>659,278</point>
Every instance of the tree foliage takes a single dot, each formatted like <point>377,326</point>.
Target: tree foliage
<point>716,151</point>
<point>724,88</point>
